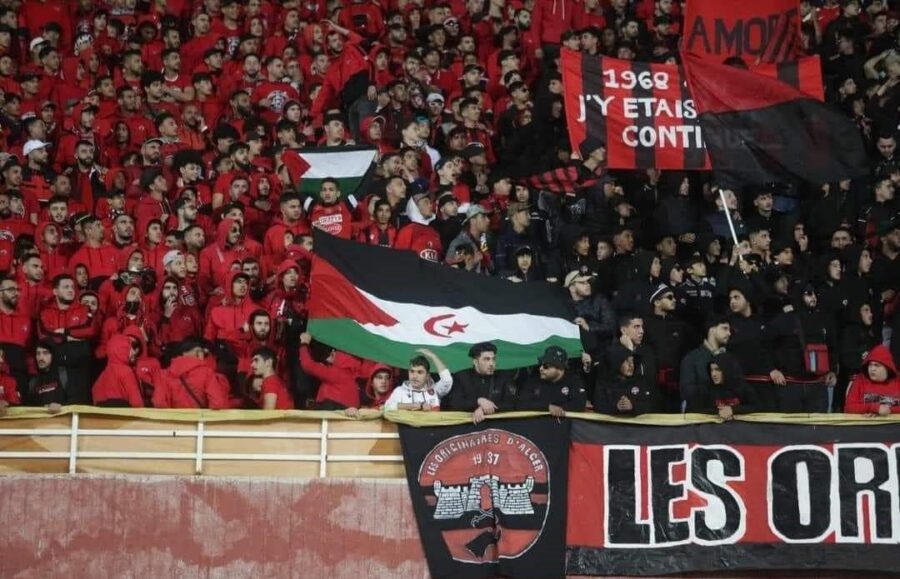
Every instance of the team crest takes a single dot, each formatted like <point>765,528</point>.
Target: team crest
<point>488,492</point>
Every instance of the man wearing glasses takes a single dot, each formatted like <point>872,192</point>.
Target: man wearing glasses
<point>666,334</point>
<point>553,388</point>
<point>15,331</point>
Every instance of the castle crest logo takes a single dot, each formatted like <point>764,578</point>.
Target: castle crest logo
<point>489,494</point>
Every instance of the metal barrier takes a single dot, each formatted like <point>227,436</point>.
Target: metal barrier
<point>80,442</point>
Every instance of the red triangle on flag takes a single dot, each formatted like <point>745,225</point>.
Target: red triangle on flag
<point>295,165</point>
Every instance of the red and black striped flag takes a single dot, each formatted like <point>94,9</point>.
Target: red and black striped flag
<point>761,130</point>
<point>645,113</point>
<point>560,181</point>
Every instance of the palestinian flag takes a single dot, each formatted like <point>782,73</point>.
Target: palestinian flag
<point>762,130</point>
<point>351,166</point>
<point>382,304</point>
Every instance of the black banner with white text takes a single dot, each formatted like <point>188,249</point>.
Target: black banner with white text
<point>651,500</point>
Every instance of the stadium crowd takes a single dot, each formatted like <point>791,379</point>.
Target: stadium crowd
<point>155,250</point>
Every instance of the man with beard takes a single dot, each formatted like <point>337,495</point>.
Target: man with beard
<point>250,266</point>
<point>331,214</point>
<point>97,256</point>
<point>228,324</point>
<point>33,290</point>
<point>481,389</point>
<point>291,220</point>
<point>87,181</point>
<point>70,326</point>
<point>272,94</point>
<point>193,126</point>
<point>347,78</point>
<point>36,177</point>
<point>140,127</point>
<point>151,153</point>
<point>177,321</point>
<point>13,221</point>
<point>260,335</point>
<point>83,129</point>
<point>123,231</point>
<point>15,330</point>
<point>49,387</point>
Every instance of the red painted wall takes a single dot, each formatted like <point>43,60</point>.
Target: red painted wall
<point>153,527</point>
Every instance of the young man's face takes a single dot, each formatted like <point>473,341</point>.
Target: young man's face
<point>381,382</point>
<point>42,358</point>
<point>486,363</point>
<point>329,193</point>
<point>418,376</point>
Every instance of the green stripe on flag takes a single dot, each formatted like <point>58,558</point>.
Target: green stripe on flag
<point>348,336</point>
<point>348,185</point>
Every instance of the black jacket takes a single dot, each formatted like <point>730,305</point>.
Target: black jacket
<point>644,395</point>
<point>537,394</point>
<point>469,386</point>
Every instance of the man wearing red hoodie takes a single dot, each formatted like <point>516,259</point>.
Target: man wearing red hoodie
<point>291,220</point>
<point>876,389</point>
<point>216,258</point>
<point>550,19</point>
<point>189,382</point>
<point>72,328</point>
<point>229,323</point>
<point>118,386</point>
<point>98,257</point>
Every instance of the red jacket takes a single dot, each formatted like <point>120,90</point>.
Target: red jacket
<point>865,396</point>
<point>338,384</point>
<point>118,381</point>
<point>226,320</point>
<point>351,62</point>
<point>424,240</point>
<point>99,261</point>
<point>187,372</point>
<point>76,320</point>
<point>551,18</point>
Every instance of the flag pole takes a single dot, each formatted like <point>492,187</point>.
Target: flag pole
<point>728,216</point>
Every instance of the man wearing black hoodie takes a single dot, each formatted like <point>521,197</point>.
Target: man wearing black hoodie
<point>798,334</point>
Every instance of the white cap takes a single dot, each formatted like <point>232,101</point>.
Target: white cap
<point>33,145</point>
<point>35,42</point>
<point>171,256</point>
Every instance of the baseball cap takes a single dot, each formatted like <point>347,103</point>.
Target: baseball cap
<point>35,42</point>
<point>446,198</point>
<point>575,276</point>
<point>434,97</point>
<point>554,356</point>
<point>474,211</point>
<point>171,256</point>
<point>33,145</point>
<point>660,290</point>
<point>473,150</point>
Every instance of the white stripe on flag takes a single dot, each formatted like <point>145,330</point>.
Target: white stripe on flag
<point>341,165</point>
<point>434,326</point>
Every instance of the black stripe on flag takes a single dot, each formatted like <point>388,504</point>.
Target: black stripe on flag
<point>694,157</point>
<point>644,157</point>
<point>789,72</point>
<point>401,276</point>
<point>592,84</point>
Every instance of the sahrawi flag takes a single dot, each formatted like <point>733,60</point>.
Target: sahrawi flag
<point>351,166</point>
<point>383,304</point>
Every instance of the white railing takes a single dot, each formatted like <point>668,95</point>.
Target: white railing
<point>202,433</point>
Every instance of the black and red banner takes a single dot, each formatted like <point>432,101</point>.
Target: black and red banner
<point>644,111</point>
<point>654,500</point>
<point>490,500</point>
<point>761,130</point>
<point>758,31</point>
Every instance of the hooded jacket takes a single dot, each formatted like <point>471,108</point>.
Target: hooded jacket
<point>56,259</point>
<point>226,320</point>
<point>146,367</point>
<point>643,394</point>
<point>118,381</point>
<point>418,235</point>
<point>185,374</point>
<point>865,395</point>
<point>122,322</point>
<point>216,258</point>
<point>374,400</point>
